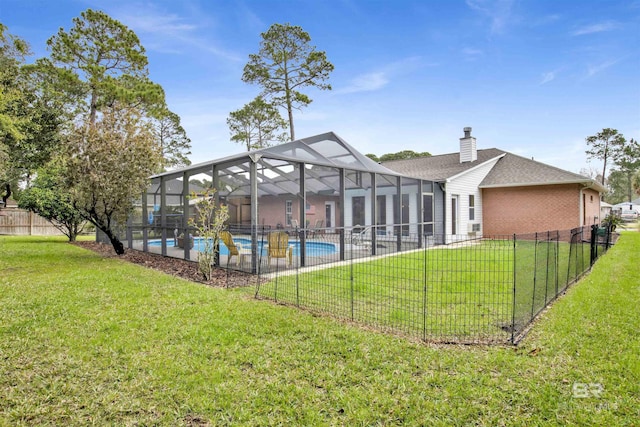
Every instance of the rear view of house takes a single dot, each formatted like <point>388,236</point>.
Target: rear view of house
<point>494,192</point>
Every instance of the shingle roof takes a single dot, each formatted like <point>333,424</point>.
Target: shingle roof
<point>441,167</point>
<point>517,171</point>
<point>510,171</point>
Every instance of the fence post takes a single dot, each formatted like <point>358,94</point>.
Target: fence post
<point>513,311</point>
<point>546,276</point>
<point>594,240</point>
<point>424,297</point>
<point>535,273</point>
<point>582,269</point>
<point>557,260</point>
<point>572,254</point>
<point>298,262</point>
<point>351,275</point>
<point>259,262</point>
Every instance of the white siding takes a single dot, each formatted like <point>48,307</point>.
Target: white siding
<point>462,186</point>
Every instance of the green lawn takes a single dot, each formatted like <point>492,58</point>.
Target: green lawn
<point>86,340</point>
<point>450,294</point>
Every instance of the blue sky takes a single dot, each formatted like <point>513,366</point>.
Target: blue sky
<point>533,77</point>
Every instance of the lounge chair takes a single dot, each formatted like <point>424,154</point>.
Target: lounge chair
<point>235,249</point>
<point>279,246</point>
<point>360,236</point>
<point>316,228</point>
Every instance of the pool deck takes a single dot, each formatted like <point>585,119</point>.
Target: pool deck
<point>281,265</point>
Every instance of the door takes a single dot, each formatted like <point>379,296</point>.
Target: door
<point>330,216</point>
<point>381,215</point>
<point>454,215</point>
<point>401,218</point>
<point>358,211</point>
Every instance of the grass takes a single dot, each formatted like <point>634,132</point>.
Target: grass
<point>86,340</point>
<point>459,294</point>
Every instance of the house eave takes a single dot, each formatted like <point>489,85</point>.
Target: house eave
<point>586,183</point>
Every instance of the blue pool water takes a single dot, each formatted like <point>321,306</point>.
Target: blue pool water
<point>313,248</point>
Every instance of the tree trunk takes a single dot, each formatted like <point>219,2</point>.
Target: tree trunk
<point>293,134</point>
<point>115,242</point>
<point>93,108</point>
<point>287,91</point>
<point>6,195</point>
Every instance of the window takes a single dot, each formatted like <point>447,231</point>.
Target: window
<point>427,213</point>
<point>357,211</point>
<point>310,209</point>
<point>381,211</point>
<point>381,214</point>
<point>288,211</point>
<point>472,207</point>
<point>401,217</point>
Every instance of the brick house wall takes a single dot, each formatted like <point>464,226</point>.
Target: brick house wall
<point>272,210</point>
<point>591,200</point>
<point>531,209</point>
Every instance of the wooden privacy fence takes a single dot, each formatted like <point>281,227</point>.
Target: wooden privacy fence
<point>19,222</point>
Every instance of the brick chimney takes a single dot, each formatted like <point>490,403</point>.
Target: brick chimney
<point>468,151</point>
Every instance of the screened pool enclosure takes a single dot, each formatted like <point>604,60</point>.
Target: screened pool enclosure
<point>332,203</point>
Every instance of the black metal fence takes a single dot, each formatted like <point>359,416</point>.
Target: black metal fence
<point>458,289</point>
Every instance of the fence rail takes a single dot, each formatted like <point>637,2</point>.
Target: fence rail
<point>472,290</point>
<point>444,288</point>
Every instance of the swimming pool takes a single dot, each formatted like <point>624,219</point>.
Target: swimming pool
<point>312,248</point>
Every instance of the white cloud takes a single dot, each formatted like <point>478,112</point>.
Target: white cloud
<point>595,69</point>
<point>166,24</point>
<point>250,18</point>
<point>498,11</point>
<point>596,28</point>
<point>366,83</point>
<point>472,54</point>
<point>547,77</point>
<point>376,80</point>
<point>169,32</point>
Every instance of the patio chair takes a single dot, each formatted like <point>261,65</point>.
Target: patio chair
<point>296,230</point>
<point>360,236</point>
<point>279,246</point>
<point>235,249</point>
<point>316,228</point>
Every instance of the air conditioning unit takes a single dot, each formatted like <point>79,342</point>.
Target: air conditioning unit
<point>473,227</point>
